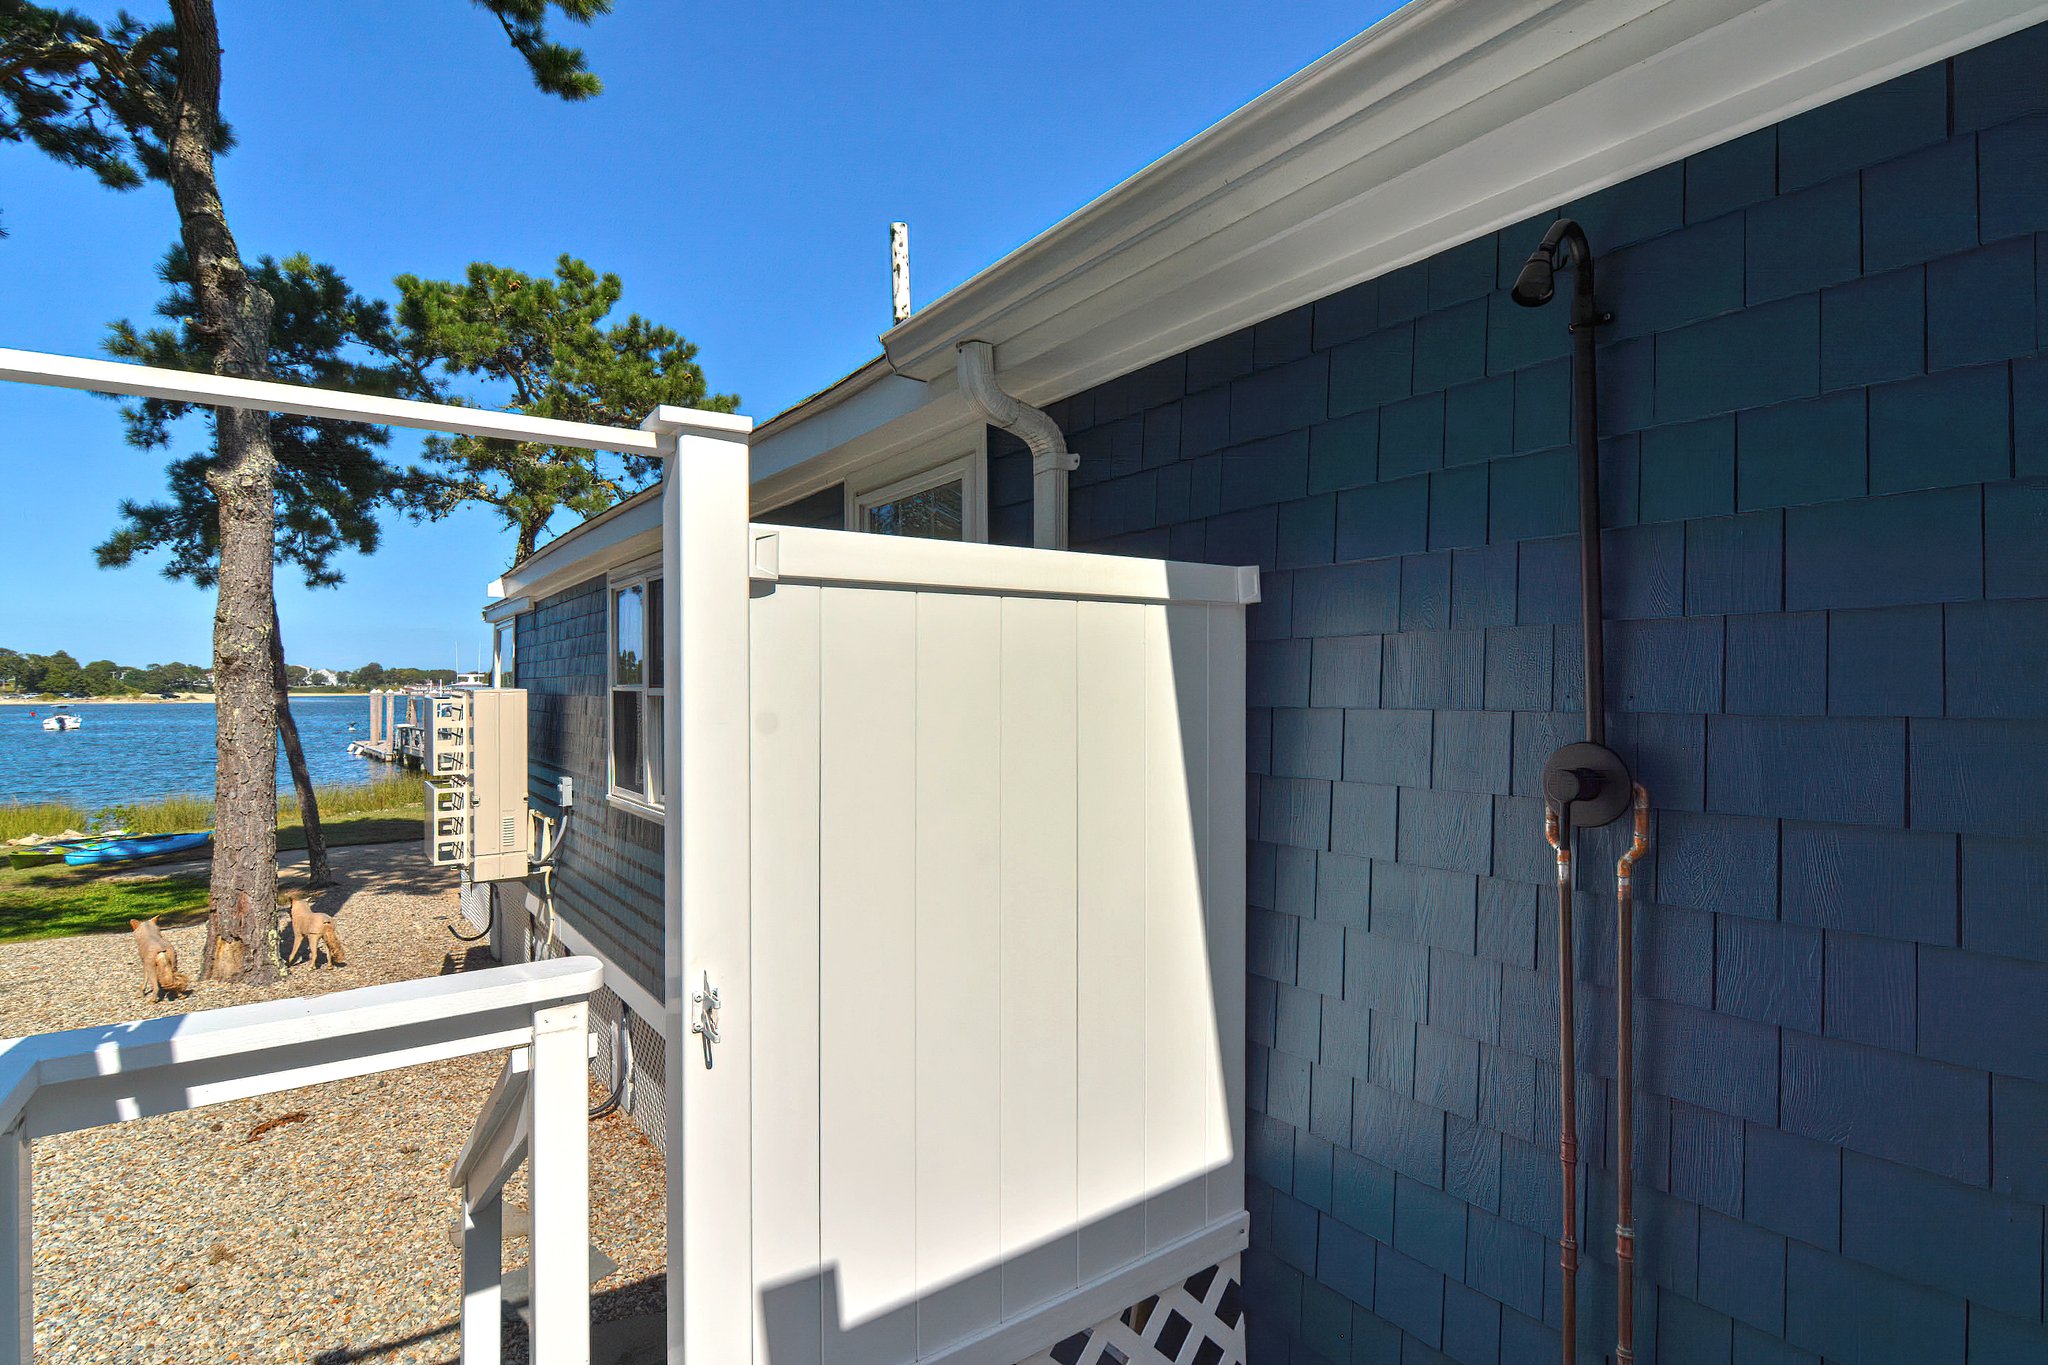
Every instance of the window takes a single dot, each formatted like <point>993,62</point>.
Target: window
<point>507,645</point>
<point>637,692</point>
<point>940,503</point>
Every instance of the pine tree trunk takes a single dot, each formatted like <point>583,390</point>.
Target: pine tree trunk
<point>528,539</point>
<point>317,870</point>
<point>233,314</point>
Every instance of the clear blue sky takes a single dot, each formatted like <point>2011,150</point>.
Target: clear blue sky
<point>739,173</point>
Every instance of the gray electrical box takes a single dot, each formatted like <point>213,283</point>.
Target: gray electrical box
<point>477,815</point>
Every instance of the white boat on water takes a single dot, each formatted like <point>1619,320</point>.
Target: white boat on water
<point>61,721</point>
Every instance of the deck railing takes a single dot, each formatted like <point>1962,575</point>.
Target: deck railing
<point>87,1078</point>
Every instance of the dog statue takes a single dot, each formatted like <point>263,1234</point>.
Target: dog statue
<point>159,960</point>
<point>311,929</point>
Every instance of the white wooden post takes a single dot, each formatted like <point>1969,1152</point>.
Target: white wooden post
<point>17,1252</point>
<point>706,883</point>
<point>558,1181</point>
<point>483,1275</point>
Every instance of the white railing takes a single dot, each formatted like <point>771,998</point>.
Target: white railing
<point>87,1078</point>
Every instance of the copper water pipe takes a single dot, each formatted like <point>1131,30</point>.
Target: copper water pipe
<point>1624,1062</point>
<point>1558,830</point>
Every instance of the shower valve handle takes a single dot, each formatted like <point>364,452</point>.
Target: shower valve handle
<point>1587,783</point>
<point>1564,786</point>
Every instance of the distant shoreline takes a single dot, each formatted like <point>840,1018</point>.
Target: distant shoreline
<point>182,699</point>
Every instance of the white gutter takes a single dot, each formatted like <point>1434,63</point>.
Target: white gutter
<point>1051,461</point>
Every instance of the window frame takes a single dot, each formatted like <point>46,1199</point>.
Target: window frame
<point>647,576</point>
<point>505,650</point>
<point>970,470</point>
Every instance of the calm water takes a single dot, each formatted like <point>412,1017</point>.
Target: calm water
<point>130,751</point>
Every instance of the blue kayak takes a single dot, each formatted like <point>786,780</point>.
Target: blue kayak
<point>121,850</point>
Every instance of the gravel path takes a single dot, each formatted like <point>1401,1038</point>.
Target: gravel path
<point>323,1239</point>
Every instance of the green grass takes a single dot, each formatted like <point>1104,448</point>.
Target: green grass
<point>173,814</point>
<point>54,902</point>
<point>49,817</point>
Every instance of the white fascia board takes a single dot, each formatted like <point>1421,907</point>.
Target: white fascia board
<point>780,446</point>
<point>935,421</point>
<point>504,608</point>
<point>628,532</point>
<point>1448,120</point>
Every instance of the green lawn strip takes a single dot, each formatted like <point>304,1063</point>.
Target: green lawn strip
<point>55,902</point>
<point>58,901</point>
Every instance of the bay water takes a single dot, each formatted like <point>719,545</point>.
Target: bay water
<point>138,751</point>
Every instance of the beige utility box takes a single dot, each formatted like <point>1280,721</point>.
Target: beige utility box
<point>477,814</point>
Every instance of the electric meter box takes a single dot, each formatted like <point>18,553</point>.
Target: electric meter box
<point>477,814</point>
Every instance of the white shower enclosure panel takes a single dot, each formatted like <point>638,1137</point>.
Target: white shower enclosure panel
<point>994,987</point>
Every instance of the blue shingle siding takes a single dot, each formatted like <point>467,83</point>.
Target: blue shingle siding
<point>608,879</point>
<point>1824,408</point>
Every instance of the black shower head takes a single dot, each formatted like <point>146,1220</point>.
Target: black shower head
<point>1538,280</point>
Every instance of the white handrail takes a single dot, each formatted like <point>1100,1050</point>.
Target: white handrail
<point>265,395</point>
<point>113,1073</point>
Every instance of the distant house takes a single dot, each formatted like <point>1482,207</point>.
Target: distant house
<point>1822,235</point>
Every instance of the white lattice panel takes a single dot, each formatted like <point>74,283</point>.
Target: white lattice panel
<point>1199,1322</point>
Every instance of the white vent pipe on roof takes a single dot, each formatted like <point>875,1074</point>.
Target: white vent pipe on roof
<point>899,272</point>
<point>1050,459</point>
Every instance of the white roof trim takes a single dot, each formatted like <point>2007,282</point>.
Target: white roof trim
<point>505,608</point>
<point>1444,122</point>
<point>629,531</point>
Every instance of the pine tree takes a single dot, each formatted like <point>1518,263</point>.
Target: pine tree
<point>544,344</point>
<point>139,101</point>
<point>331,479</point>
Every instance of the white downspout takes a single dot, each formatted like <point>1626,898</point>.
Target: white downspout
<point>1050,459</point>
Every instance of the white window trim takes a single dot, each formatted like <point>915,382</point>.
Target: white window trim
<point>639,574</point>
<point>971,469</point>
<point>500,630</point>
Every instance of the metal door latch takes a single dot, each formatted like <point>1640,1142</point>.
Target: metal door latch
<point>705,1022</point>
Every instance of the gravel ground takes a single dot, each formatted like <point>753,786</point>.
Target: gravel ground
<point>323,1239</point>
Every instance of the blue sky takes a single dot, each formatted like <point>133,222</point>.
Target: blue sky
<point>739,173</point>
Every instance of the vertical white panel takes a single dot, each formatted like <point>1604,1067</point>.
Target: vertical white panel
<point>1223,896</point>
<point>558,1184</point>
<point>785,946</point>
<point>1111,1047</point>
<point>1179,1012</point>
<point>1039,1184</point>
<point>867,1015</point>
<point>706,887</point>
<point>959,967</point>
<point>483,1280</point>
